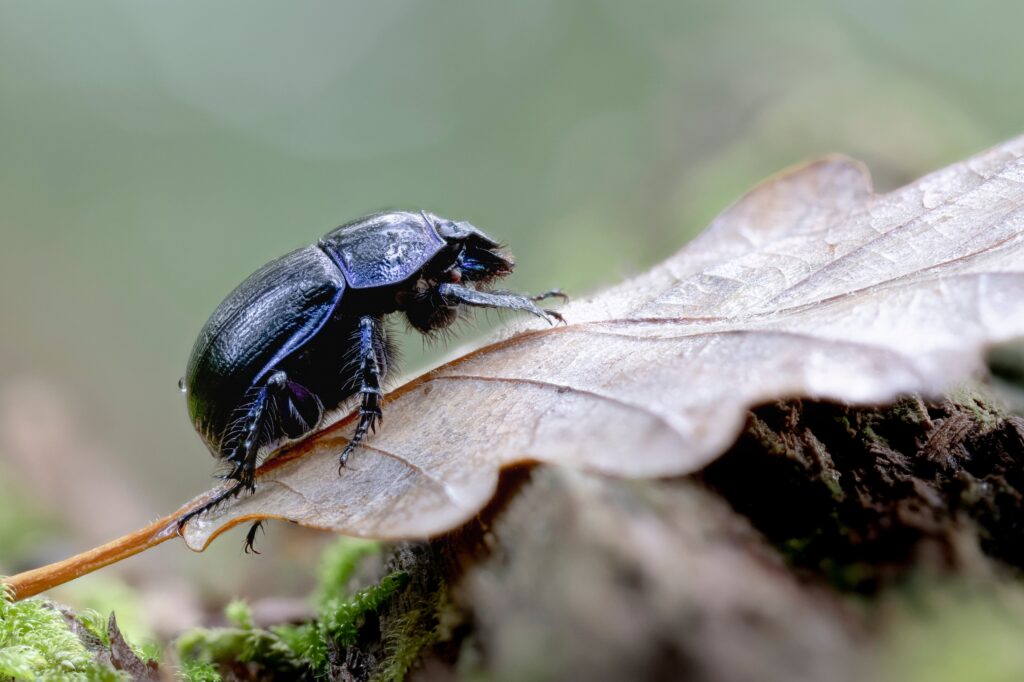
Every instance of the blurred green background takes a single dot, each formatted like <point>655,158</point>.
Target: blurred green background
<point>154,154</point>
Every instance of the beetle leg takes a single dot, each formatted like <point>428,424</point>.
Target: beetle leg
<point>290,401</point>
<point>506,300</point>
<point>370,371</point>
<point>254,425</point>
<point>250,537</point>
<point>219,499</point>
<point>244,453</point>
<point>554,293</point>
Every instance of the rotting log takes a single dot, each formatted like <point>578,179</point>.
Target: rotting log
<point>780,561</point>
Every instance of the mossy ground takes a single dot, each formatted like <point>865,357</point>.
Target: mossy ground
<point>39,640</point>
<point>827,538</point>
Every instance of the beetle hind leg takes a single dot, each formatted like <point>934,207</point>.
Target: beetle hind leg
<point>280,407</point>
<point>253,425</point>
<point>219,499</point>
<point>372,365</point>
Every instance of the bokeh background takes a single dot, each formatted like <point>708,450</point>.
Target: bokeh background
<point>154,154</point>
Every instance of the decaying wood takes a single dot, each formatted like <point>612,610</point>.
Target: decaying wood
<point>775,563</point>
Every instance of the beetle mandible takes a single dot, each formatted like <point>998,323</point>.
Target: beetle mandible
<point>307,331</point>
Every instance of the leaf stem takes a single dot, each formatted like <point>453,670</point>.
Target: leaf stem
<point>30,583</point>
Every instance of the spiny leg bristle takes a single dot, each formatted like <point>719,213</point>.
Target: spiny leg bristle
<point>218,500</point>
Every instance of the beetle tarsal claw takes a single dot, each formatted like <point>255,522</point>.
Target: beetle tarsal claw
<point>558,317</point>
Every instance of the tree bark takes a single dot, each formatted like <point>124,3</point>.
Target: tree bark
<point>789,558</point>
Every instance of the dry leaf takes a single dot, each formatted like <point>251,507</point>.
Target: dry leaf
<point>811,285</point>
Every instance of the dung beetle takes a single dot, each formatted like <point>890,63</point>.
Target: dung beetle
<point>307,331</point>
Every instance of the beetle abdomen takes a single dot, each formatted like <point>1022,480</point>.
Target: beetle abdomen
<point>265,319</point>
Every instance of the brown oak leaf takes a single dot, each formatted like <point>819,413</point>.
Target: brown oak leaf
<point>809,286</point>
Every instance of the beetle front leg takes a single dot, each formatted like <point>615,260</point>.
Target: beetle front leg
<point>553,293</point>
<point>370,337</point>
<point>506,300</point>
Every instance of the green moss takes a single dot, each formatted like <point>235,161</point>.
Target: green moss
<point>150,651</point>
<point>294,651</point>
<point>339,618</point>
<point>96,625</point>
<point>910,410</point>
<point>239,614</point>
<point>339,563</point>
<point>414,630</point>
<point>213,646</point>
<point>199,671</point>
<point>36,643</point>
<point>981,406</point>
<point>100,595</point>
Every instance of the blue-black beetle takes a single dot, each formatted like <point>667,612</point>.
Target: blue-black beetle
<point>306,331</point>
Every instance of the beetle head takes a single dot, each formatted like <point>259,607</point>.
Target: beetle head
<point>478,257</point>
<point>471,258</point>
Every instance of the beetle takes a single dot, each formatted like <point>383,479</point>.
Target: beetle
<point>307,331</point>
